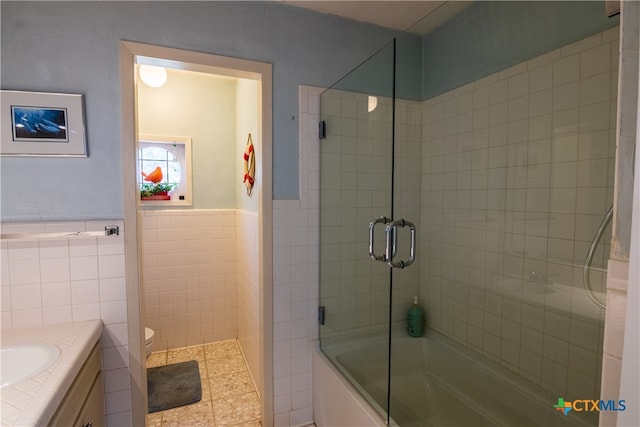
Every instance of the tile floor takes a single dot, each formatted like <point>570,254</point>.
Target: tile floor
<point>229,396</point>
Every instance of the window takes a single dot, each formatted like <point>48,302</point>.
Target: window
<point>164,170</point>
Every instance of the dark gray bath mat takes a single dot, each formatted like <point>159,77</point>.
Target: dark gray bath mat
<point>174,385</point>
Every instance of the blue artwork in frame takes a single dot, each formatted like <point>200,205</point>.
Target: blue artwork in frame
<point>42,124</point>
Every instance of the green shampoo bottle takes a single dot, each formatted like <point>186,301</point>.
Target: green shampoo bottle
<point>415,319</point>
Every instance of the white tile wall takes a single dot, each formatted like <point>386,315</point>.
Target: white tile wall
<point>516,180</point>
<point>292,314</point>
<point>190,276</point>
<point>55,280</point>
<point>249,292</point>
<point>295,272</point>
<point>356,190</point>
<point>200,278</point>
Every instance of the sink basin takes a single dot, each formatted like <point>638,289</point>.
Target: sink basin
<point>23,361</point>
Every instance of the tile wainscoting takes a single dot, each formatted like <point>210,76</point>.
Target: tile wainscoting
<point>56,280</point>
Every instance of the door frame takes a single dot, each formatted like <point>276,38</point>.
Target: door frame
<point>215,64</point>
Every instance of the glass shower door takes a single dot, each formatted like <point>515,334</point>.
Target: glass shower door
<point>356,165</point>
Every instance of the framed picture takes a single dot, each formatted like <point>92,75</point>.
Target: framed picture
<point>42,124</point>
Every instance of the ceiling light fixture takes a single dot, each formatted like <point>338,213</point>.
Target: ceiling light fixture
<point>152,75</point>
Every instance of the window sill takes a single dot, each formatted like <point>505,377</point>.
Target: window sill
<point>164,203</point>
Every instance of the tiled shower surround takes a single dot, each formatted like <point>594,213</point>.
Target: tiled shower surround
<point>356,185</point>
<point>516,175</point>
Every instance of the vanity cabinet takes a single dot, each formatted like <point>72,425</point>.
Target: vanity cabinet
<point>83,404</point>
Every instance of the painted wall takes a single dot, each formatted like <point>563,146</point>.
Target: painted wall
<point>247,122</point>
<point>73,47</point>
<point>378,79</point>
<point>490,36</point>
<point>203,107</point>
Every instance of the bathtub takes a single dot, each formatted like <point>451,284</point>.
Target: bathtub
<point>436,382</point>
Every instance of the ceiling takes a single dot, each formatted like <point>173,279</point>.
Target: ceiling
<point>397,15</point>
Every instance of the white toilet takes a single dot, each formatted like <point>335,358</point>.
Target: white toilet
<point>148,340</point>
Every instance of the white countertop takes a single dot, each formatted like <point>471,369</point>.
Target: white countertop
<point>33,402</point>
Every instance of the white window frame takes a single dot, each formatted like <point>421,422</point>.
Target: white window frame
<point>186,183</point>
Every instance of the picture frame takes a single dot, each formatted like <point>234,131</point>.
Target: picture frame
<point>42,124</point>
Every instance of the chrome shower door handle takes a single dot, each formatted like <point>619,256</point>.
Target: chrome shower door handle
<point>391,232</point>
<point>372,226</point>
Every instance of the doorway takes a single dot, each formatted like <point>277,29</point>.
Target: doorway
<point>247,221</point>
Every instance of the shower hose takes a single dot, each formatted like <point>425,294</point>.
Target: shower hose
<point>586,281</point>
